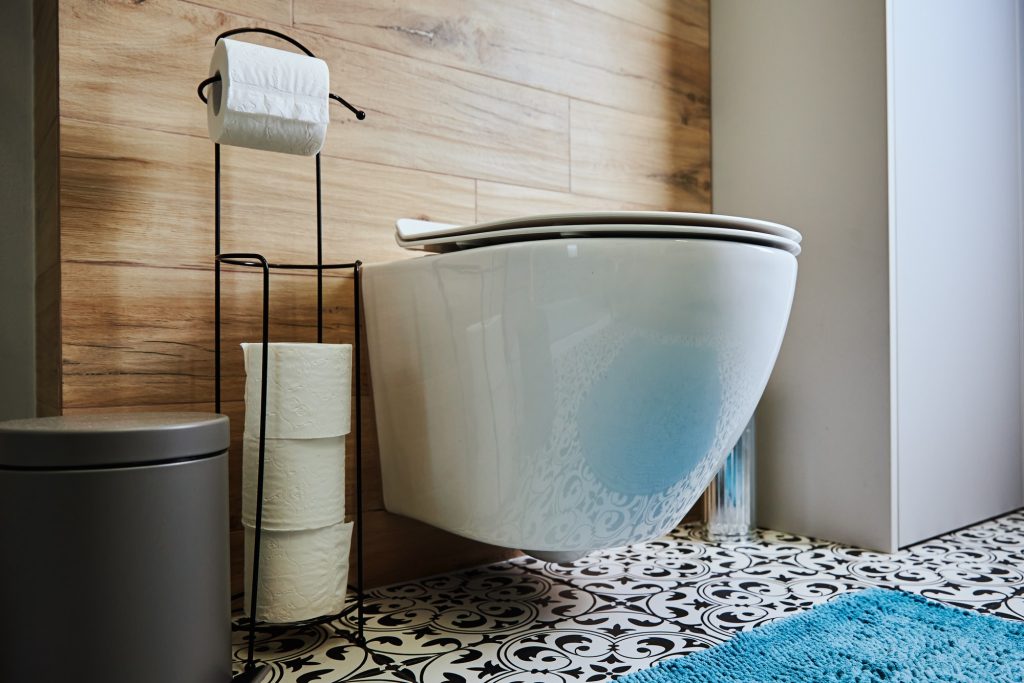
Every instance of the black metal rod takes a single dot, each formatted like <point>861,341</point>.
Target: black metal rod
<point>360,114</point>
<point>266,31</point>
<point>277,34</point>
<point>201,91</point>
<point>202,86</point>
<point>356,275</point>
<point>258,531</point>
<point>319,258</point>
<point>285,266</point>
<point>216,277</point>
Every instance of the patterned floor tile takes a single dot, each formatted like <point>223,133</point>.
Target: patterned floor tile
<point>524,621</point>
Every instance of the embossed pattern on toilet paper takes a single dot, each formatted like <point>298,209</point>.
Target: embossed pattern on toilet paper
<point>267,99</point>
<point>303,482</point>
<point>309,390</point>
<point>303,574</point>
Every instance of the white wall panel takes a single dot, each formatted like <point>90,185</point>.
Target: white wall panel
<point>956,225</point>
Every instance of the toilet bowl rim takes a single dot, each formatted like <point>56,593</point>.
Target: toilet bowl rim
<point>461,242</point>
<point>409,229</point>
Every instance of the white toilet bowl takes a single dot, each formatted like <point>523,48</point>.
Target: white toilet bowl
<point>569,394</point>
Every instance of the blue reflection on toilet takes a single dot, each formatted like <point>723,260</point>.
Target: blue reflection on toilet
<point>650,419</point>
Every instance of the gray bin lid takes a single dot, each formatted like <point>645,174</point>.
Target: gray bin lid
<point>111,440</point>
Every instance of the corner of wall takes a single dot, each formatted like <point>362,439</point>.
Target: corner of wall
<point>17,399</point>
<point>890,100</point>
<point>1020,195</point>
<point>47,208</point>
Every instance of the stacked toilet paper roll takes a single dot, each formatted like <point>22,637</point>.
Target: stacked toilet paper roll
<point>305,540</point>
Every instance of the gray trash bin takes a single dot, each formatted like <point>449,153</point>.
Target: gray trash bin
<point>114,549</point>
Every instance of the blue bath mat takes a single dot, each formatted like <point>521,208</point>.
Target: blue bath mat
<point>872,636</point>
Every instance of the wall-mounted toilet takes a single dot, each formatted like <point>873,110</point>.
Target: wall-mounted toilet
<point>562,384</point>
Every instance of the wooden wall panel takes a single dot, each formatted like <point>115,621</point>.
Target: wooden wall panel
<point>683,19</point>
<point>561,47</point>
<point>149,339</point>
<point>480,127</point>
<point>476,111</point>
<point>634,157</point>
<point>123,186</point>
<point>498,201</point>
<point>279,11</point>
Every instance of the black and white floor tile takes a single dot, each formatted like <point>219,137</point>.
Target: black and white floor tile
<point>524,621</point>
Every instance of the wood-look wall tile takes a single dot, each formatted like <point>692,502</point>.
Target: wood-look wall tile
<point>481,127</point>
<point>637,158</point>
<point>498,201</point>
<point>278,11</point>
<point>145,197</point>
<point>143,336</point>
<point>434,118</point>
<point>687,20</point>
<point>555,45</point>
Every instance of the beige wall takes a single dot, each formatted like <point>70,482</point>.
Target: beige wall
<point>475,110</point>
<point>800,137</point>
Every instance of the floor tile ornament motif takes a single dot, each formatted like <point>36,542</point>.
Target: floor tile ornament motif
<point>525,621</point>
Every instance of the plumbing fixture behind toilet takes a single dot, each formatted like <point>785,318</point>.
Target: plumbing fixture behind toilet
<point>570,383</point>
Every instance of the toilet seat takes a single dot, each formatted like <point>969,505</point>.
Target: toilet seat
<point>410,230</point>
<point>439,237</point>
<point>460,241</point>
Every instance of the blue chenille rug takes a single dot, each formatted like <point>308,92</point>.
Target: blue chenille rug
<point>870,636</point>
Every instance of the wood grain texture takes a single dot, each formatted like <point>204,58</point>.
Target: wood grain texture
<point>123,185</point>
<point>279,11</point>
<point>498,201</point>
<point>554,45</point>
<point>149,339</point>
<point>476,110</point>
<point>481,127</point>
<point>393,543</point>
<point>641,159</point>
<point>687,20</point>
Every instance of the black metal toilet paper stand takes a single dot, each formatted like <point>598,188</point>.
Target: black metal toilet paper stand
<point>252,671</point>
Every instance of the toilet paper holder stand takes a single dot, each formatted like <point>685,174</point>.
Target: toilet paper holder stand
<point>252,671</point>
<point>201,90</point>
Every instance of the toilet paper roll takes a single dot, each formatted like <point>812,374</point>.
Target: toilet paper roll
<point>267,98</point>
<point>303,574</point>
<point>309,390</point>
<point>303,482</point>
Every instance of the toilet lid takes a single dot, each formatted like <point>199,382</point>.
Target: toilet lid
<point>440,239</point>
<point>411,230</point>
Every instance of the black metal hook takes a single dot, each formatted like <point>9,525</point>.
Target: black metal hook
<point>202,86</point>
<point>267,31</point>
<point>201,90</point>
<point>360,114</point>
